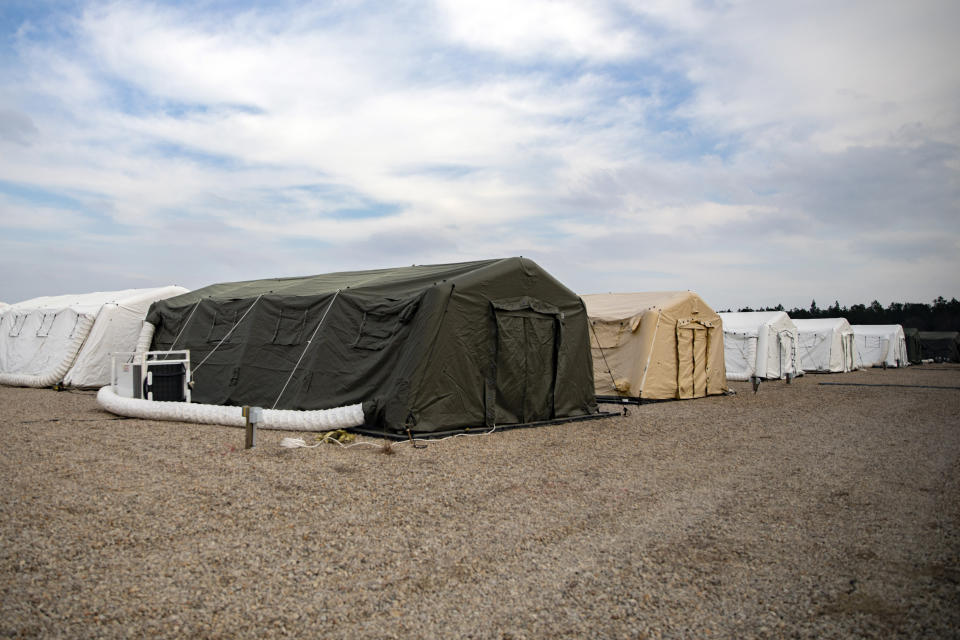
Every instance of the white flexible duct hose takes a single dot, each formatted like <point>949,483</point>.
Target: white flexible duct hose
<point>146,337</point>
<point>80,333</point>
<point>282,419</point>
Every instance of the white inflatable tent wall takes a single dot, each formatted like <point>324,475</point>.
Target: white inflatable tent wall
<point>880,344</point>
<point>760,343</point>
<point>70,338</point>
<point>826,345</point>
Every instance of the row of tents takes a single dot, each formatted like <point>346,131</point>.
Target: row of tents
<point>780,345</point>
<point>433,348</point>
<point>771,345</point>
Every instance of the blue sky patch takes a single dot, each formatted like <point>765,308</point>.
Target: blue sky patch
<point>41,196</point>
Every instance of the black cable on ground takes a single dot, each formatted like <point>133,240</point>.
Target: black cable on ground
<point>861,384</point>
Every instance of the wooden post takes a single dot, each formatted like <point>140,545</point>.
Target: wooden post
<point>252,417</point>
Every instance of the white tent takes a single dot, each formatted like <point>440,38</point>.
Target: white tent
<point>760,344</point>
<point>879,345</point>
<point>70,338</point>
<point>826,345</point>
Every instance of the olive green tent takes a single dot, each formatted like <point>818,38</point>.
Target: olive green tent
<point>940,346</point>
<point>429,348</point>
<point>912,336</point>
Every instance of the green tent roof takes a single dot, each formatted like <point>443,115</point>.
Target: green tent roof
<point>396,281</point>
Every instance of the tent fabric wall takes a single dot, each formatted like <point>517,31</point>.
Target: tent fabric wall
<point>912,336</point>
<point>879,345</point>
<point>826,345</point>
<point>430,348</point>
<point>69,338</point>
<point>656,345</point>
<point>761,344</point>
<point>942,346</point>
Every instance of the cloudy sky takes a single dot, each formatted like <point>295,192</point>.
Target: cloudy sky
<point>754,151</point>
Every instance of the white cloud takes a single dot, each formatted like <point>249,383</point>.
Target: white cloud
<point>539,28</point>
<point>832,75</point>
<point>725,140</point>
<point>173,55</point>
<point>19,215</point>
<point>366,134</point>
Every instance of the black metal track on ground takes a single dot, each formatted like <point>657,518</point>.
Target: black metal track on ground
<point>478,430</point>
<point>919,368</point>
<point>633,400</point>
<point>617,400</point>
<point>862,384</point>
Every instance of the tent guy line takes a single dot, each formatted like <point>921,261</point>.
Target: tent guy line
<point>305,347</point>
<point>228,334</point>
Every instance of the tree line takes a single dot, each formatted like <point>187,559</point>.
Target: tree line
<point>940,315</point>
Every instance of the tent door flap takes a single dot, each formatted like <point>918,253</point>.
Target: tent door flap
<point>691,360</point>
<point>526,365</point>
<point>787,351</point>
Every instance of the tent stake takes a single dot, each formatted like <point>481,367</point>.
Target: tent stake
<point>414,442</point>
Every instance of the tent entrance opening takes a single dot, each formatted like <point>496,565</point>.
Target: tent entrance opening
<point>526,374</point>
<point>691,359</point>
<point>788,352</point>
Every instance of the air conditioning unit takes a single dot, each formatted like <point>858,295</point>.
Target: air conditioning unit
<point>152,375</point>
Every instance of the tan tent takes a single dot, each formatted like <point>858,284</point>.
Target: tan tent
<point>657,345</point>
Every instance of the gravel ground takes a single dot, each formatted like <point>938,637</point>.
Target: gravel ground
<point>801,511</point>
